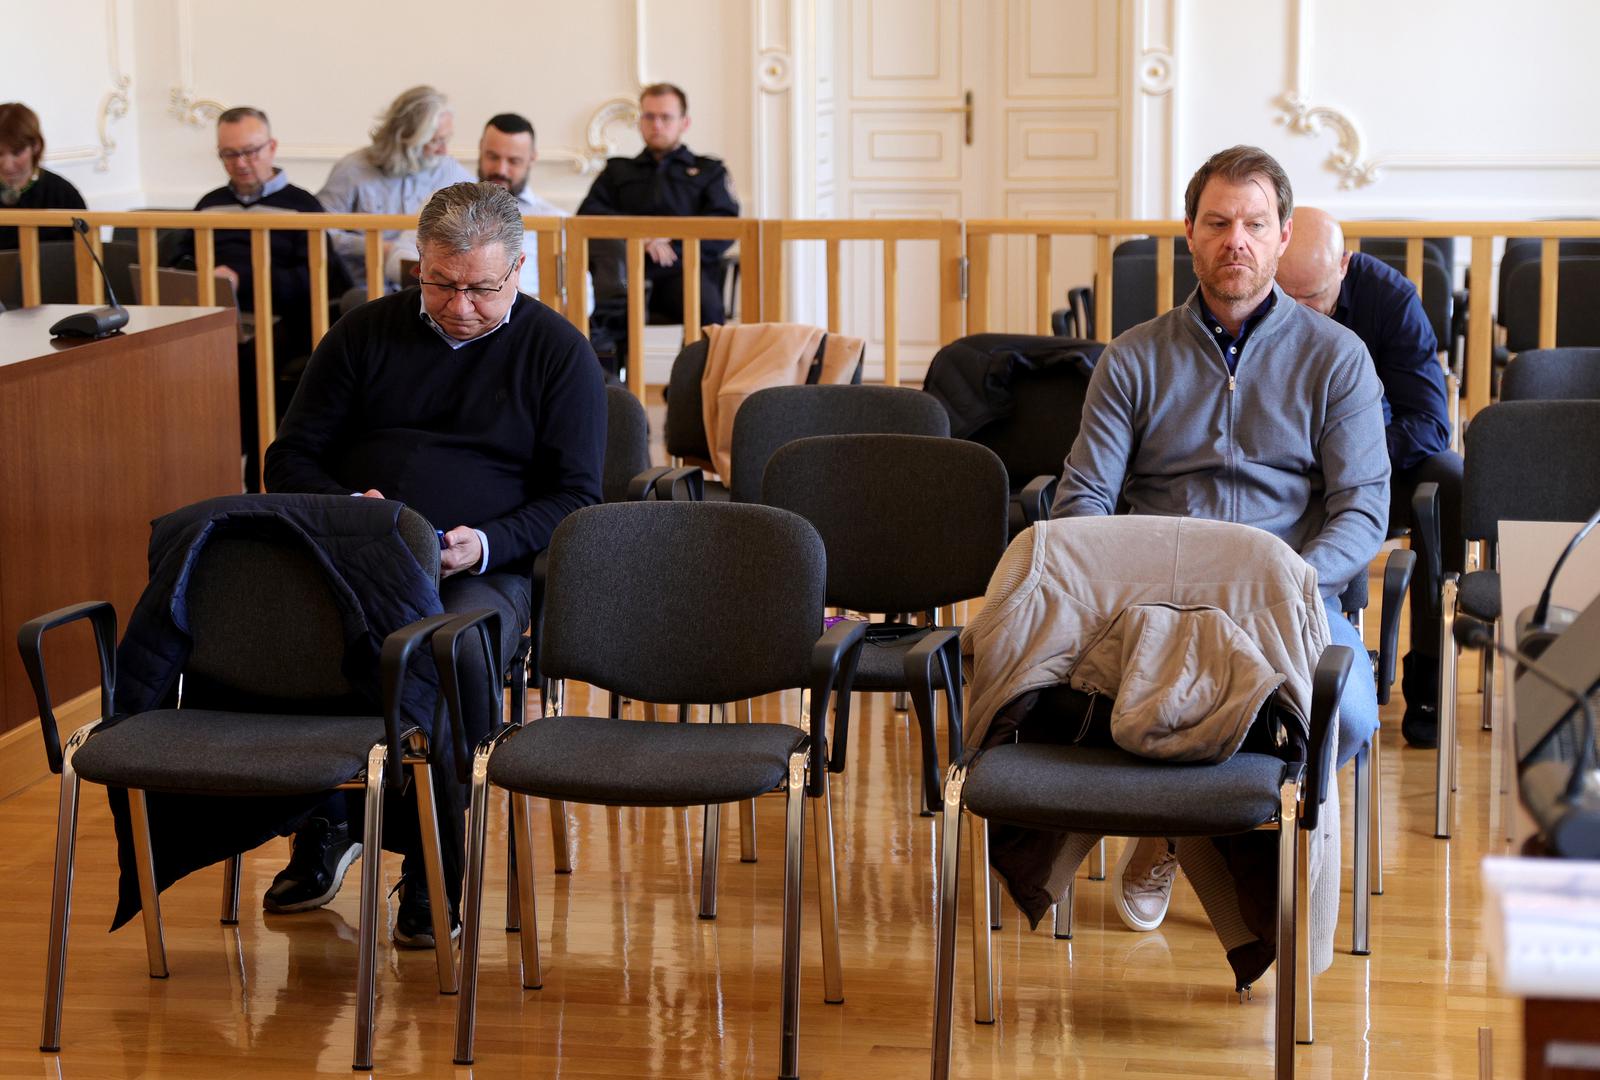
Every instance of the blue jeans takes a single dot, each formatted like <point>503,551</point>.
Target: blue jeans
<point>1358,708</point>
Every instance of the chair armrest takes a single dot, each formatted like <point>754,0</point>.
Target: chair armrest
<point>686,484</point>
<point>832,669</point>
<point>393,661</point>
<point>485,622</point>
<point>1327,687</point>
<point>1426,542</point>
<point>1397,573</point>
<point>944,647</point>
<point>1036,497</point>
<point>641,485</point>
<point>30,642</point>
<point>1063,322</point>
<point>1081,300</point>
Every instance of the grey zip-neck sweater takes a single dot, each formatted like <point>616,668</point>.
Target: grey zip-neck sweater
<point>1292,443</point>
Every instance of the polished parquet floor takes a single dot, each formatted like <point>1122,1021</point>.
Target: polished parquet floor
<point>636,985</point>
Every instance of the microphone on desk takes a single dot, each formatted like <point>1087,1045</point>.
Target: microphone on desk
<point>1567,809</point>
<point>1535,632</point>
<point>102,321</point>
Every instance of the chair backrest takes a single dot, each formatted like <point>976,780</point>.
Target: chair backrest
<point>1530,461</point>
<point>1392,250</point>
<point>770,418</point>
<point>627,443</point>
<point>1438,301</point>
<point>58,272</point>
<point>910,522</point>
<point>1577,315</point>
<point>630,606</point>
<point>1522,250</point>
<point>685,428</point>
<point>180,288</point>
<point>267,633</point>
<point>1133,288</point>
<point>1552,375</point>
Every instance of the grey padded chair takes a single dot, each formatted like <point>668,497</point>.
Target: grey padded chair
<point>266,630</point>
<point>1577,318</point>
<point>1568,374</point>
<point>911,524</point>
<point>1525,461</point>
<point>1101,790</point>
<point>625,611</point>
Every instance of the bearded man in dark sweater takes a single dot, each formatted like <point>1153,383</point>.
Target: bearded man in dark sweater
<point>480,408</point>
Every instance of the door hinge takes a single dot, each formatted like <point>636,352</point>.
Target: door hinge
<point>965,265</point>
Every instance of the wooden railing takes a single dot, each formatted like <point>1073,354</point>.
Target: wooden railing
<point>635,232</point>
<point>889,233</point>
<point>961,296</point>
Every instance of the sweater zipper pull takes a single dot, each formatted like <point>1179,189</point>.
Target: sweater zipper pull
<point>1230,384</point>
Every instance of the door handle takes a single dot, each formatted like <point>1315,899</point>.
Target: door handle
<point>966,111</point>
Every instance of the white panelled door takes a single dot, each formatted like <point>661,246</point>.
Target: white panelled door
<point>973,109</point>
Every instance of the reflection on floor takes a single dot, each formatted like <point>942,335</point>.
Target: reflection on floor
<point>636,985</point>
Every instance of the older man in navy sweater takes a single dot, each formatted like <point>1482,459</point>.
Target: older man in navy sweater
<point>479,407</point>
<point>1240,405</point>
<point>1383,308</point>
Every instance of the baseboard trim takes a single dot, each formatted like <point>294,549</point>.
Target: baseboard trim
<point>22,760</point>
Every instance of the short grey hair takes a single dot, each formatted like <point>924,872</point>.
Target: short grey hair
<point>465,217</point>
<point>404,129</point>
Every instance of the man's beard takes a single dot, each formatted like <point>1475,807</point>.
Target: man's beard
<point>1230,287</point>
<point>505,182</point>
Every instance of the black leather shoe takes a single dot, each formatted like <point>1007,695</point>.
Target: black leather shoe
<point>413,925</point>
<point>1420,726</point>
<point>321,855</point>
<point>1419,685</point>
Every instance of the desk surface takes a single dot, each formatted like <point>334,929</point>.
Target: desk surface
<point>25,332</point>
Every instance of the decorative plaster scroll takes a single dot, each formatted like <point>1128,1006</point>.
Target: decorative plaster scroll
<point>1300,116</point>
<point>774,71</point>
<point>1156,72</point>
<point>185,103</point>
<point>192,110</point>
<point>601,144</point>
<point>113,107</point>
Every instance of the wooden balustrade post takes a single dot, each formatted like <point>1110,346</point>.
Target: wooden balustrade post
<point>28,251</point>
<point>978,247</point>
<point>691,291</point>
<point>771,271</point>
<point>1414,262</point>
<point>1164,270</point>
<point>635,249</point>
<point>834,275</point>
<point>317,267</point>
<point>149,280</point>
<point>374,263</point>
<point>952,238</point>
<point>1041,282</point>
<point>1479,327</point>
<point>1102,288</point>
<point>1549,290</point>
<point>205,268</point>
<point>266,371</point>
<point>891,313</point>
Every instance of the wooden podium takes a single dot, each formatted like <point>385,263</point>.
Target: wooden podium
<point>96,439</point>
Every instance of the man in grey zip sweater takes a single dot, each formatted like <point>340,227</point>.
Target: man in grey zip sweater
<point>1243,406</point>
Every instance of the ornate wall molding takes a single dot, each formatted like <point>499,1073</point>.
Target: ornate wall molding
<point>774,71</point>
<point>1156,72</point>
<point>1302,117</point>
<point>114,104</point>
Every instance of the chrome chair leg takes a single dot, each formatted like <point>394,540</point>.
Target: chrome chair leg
<point>1097,862</point>
<point>827,896</point>
<point>513,923</point>
<point>710,844</point>
<point>944,966</point>
<point>1375,783</point>
<point>371,892</point>
<point>559,837</point>
<point>1062,915</point>
<point>982,961</point>
<point>1488,690</point>
<point>1288,878</point>
<point>232,871</point>
<point>433,869</point>
<point>793,868</point>
<point>472,906</point>
<point>1448,665</point>
<point>532,970</point>
<point>55,963</point>
<point>1360,897</point>
<point>747,809</point>
<point>902,702</point>
<point>1304,1031</point>
<point>994,897</point>
<point>149,899</point>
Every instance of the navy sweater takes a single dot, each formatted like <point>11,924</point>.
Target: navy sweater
<point>506,434</point>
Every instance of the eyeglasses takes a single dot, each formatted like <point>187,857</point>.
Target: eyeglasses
<point>247,154</point>
<point>476,293</point>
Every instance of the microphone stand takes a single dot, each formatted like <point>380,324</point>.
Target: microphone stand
<point>102,321</point>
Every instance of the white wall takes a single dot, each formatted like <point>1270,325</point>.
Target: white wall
<point>324,70</point>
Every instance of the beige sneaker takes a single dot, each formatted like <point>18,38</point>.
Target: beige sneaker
<point>1142,884</point>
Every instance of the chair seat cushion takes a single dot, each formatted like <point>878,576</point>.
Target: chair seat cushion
<point>205,752</point>
<point>883,664</point>
<point>1110,791</point>
<point>717,492</point>
<point>1479,594</point>
<point>614,762</point>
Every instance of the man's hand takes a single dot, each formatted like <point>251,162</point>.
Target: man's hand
<point>461,551</point>
<point>228,274</point>
<point>660,252</point>
<point>372,493</point>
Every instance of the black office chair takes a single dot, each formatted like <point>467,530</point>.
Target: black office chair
<point>911,524</point>
<point>1560,374</point>
<point>1525,461</point>
<point>1133,289</point>
<point>267,711</point>
<point>624,610</point>
<point>58,272</point>
<point>1577,315</point>
<point>1034,424</point>
<point>1105,790</point>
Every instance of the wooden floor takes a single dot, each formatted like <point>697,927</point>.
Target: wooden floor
<point>636,985</point>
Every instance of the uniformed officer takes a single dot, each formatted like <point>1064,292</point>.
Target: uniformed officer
<point>667,179</point>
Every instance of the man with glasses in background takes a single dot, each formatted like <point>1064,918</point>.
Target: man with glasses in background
<point>484,411</point>
<point>246,149</point>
